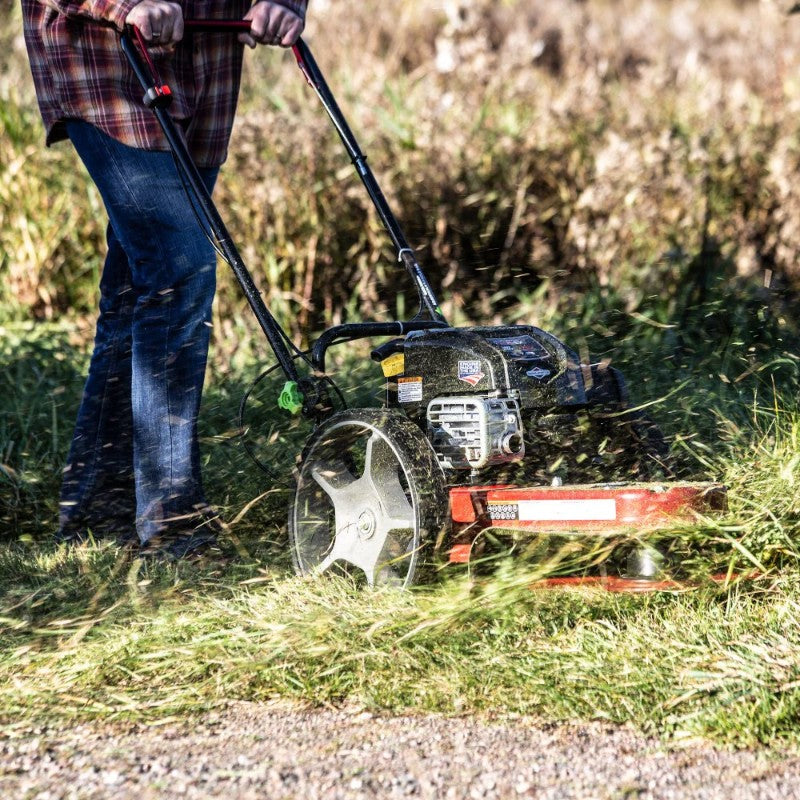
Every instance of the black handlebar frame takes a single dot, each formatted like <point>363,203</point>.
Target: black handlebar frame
<point>308,66</point>
<point>158,98</point>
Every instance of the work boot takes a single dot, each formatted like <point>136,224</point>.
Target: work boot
<point>200,541</point>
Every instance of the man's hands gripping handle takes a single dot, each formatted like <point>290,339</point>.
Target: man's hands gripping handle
<point>271,23</point>
<point>161,22</point>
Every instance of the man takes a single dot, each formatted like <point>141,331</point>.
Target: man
<point>133,466</point>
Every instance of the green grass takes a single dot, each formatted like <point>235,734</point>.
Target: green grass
<point>93,632</point>
<point>87,634</point>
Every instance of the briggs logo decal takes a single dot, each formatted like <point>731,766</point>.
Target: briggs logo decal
<point>470,372</point>
<point>537,373</point>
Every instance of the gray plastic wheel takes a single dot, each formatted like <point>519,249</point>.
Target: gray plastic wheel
<point>369,499</point>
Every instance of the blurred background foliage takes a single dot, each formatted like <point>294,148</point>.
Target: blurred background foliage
<point>623,173</point>
<point>536,151</point>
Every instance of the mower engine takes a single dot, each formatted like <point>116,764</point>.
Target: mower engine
<point>474,432</point>
<point>490,397</point>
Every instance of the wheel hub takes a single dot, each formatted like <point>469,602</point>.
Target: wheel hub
<point>367,524</point>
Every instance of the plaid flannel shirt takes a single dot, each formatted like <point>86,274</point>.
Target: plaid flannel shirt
<point>80,72</point>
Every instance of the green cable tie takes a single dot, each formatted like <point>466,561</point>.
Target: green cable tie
<point>290,399</point>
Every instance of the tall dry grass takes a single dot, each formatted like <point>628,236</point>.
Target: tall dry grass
<point>623,171</point>
<point>534,149</point>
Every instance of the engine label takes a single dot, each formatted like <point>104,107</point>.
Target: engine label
<point>470,372</point>
<point>538,373</point>
<point>590,510</point>
<point>409,390</point>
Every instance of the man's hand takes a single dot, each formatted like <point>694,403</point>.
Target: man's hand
<point>160,21</point>
<point>271,23</point>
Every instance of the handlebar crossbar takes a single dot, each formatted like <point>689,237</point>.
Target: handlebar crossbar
<point>217,25</point>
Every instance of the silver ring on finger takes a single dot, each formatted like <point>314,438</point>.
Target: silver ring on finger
<point>156,34</point>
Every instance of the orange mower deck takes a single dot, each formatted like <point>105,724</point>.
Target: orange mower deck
<point>597,509</point>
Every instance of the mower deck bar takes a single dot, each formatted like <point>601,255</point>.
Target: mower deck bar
<point>597,508</point>
<point>632,585</point>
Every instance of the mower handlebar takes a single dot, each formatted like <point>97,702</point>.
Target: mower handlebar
<point>158,96</point>
<point>217,25</point>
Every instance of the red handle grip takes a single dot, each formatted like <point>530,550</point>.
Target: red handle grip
<point>217,25</point>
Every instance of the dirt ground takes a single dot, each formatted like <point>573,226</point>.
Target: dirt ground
<point>255,751</point>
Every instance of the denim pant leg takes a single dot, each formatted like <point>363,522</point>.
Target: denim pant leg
<point>172,274</point>
<point>97,491</point>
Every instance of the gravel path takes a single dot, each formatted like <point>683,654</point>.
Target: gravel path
<point>252,751</point>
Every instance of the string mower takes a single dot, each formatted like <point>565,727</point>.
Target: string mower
<point>481,427</point>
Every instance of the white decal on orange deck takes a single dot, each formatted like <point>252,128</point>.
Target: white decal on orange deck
<point>597,510</point>
<point>567,510</point>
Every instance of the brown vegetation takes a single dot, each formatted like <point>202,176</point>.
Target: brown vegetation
<point>534,148</point>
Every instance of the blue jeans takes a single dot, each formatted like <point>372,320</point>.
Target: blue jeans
<point>134,458</point>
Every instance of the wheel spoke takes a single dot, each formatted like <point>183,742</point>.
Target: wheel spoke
<point>348,548</point>
<point>361,553</point>
<point>382,469</point>
<point>327,562</point>
<point>406,522</point>
<point>399,512</point>
<point>329,476</point>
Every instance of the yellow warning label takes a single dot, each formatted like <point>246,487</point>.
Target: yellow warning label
<point>393,365</point>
